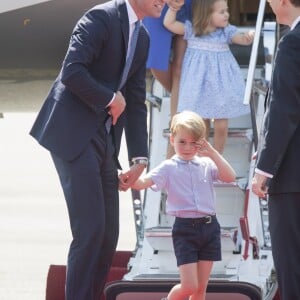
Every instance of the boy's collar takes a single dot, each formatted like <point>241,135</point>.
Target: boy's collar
<point>183,161</point>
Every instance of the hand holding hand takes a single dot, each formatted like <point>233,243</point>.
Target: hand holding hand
<point>127,179</point>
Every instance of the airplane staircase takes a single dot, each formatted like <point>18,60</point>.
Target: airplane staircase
<point>246,270</point>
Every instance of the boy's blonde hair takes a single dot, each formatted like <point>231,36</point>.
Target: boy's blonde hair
<point>189,121</point>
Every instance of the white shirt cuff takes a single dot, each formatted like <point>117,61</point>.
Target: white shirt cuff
<point>110,102</point>
<point>258,171</point>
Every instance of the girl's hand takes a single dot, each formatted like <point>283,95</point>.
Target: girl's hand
<point>243,38</point>
<point>175,4</point>
<point>249,36</point>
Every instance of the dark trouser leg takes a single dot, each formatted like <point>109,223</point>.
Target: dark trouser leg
<point>284,210</point>
<point>90,186</point>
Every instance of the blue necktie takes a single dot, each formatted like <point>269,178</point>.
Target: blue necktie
<point>128,62</point>
<point>129,56</point>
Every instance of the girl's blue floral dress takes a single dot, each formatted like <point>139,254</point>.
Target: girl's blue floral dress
<point>212,83</point>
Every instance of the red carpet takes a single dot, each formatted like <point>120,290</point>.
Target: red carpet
<point>55,289</point>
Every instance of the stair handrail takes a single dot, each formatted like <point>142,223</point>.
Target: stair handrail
<point>254,52</point>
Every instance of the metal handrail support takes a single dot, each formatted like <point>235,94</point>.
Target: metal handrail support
<point>251,71</point>
<point>254,52</point>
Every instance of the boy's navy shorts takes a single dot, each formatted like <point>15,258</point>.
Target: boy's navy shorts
<point>196,239</point>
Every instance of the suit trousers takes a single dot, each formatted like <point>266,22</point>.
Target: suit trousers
<point>90,186</point>
<point>284,217</point>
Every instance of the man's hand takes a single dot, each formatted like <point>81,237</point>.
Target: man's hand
<point>117,107</point>
<point>127,179</point>
<point>259,187</point>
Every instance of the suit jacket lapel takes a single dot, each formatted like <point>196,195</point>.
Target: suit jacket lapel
<point>124,21</point>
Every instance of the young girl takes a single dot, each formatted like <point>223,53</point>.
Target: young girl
<point>188,179</point>
<point>211,82</point>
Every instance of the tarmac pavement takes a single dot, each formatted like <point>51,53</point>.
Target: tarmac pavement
<point>34,226</point>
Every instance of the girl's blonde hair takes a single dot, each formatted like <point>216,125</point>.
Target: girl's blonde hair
<point>201,14</point>
<point>189,121</point>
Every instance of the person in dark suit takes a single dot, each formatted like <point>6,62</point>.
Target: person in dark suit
<point>81,123</point>
<point>277,173</point>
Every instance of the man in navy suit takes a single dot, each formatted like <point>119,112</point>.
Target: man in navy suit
<point>277,174</point>
<point>72,126</point>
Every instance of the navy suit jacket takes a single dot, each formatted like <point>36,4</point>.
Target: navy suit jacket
<point>279,147</point>
<point>75,107</point>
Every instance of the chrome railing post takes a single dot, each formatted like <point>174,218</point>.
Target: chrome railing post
<point>254,52</point>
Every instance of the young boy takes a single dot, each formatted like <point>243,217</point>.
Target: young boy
<point>188,179</point>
